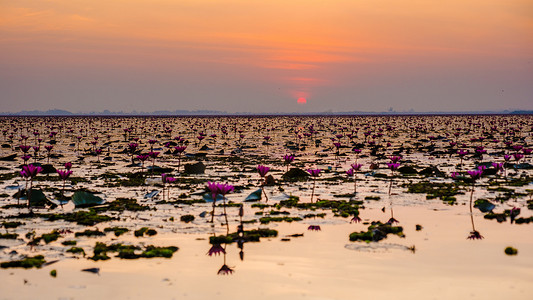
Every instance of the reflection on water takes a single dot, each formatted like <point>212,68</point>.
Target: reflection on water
<point>225,270</point>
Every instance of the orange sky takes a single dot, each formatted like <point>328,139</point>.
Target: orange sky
<point>263,55</point>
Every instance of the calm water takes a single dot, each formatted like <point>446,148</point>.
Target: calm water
<point>318,265</point>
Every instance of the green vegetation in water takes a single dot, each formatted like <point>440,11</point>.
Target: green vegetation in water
<point>153,251</point>
<point>375,198</point>
<point>118,231</point>
<point>122,204</point>
<point>341,208</point>
<point>87,218</point>
<point>248,236</point>
<point>53,273</point>
<point>47,237</point>
<point>15,224</point>
<point>376,232</point>
<point>443,191</point>
<point>308,216</point>
<point>145,231</point>
<point>500,217</point>
<point>69,243</point>
<point>187,218</point>
<point>8,236</point>
<point>522,220</point>
<point>229,204</point>
<point>266,220</point>
<point>511,251</point>
<point>131,252</point>
<point>260,205</point>
<point>522,181</point>
<point>26,263</point>
<point>184,202</point>
<point>89,233</point>
<point>76,250</point>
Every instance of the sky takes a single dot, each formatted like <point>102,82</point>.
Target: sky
<point>266,56</point>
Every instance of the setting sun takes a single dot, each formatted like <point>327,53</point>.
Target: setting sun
<point>302,100</point>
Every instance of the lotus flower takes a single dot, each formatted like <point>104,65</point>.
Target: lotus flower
<point>216,249</point>
<point>263,170</point>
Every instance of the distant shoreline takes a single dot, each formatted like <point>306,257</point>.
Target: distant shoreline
<point>226,114</point>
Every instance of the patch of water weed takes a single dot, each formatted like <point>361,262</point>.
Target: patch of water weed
<point>145,231</point>
<point>131,252</point>
<point>87,218</point>
<point>14,224</point>
<point>179,201</point>
<point>247,236</point>
<point>341,208</point>
<point>510,251</point>
<point>266,220</point>
<point>26,263</point>
<point>187,218</point>
<point>47,237</point>
<point>76,250</point>
<point>8,236</point>
<point>376,232</point>
<point>444,191</point>
<point>89,233</point>
<point>118,231</point>
<point>122,204</point>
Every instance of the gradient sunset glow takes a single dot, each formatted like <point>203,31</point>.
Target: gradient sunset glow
<point>263,56</point>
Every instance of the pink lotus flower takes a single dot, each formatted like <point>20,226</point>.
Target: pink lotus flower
<point>395,159</point>
<point>263,170</point>
<point>355,219</point>
<point>392,221</point>
<point>393,166</point>
<point>356,166</point>
<point>498,166</point>
<point>314,227</point>
<point>462,152</point>
<point>349,172</point>
<point>224,188</point>
<point>30,171</point>
<point>133,146</point>
<point>143,157</point>
<point>216,249</point>
<point>180,149</point>
<point>153,154</point>
<point>314,172</point>
<point>24,148</point>
<point>517,156</point>
<point>475,174</point>
<point>288,158</point>
<point>68,165</point>
<point>225,270</point>
<point>64,174</point>
<point>475,235</point>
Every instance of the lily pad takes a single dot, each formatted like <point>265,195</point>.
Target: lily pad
<point>484,205</point>
<point>37,197</point>
<point>86,199</point>
<point>208,198</point>
<point>255,196</point>
<point>151,195</point>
